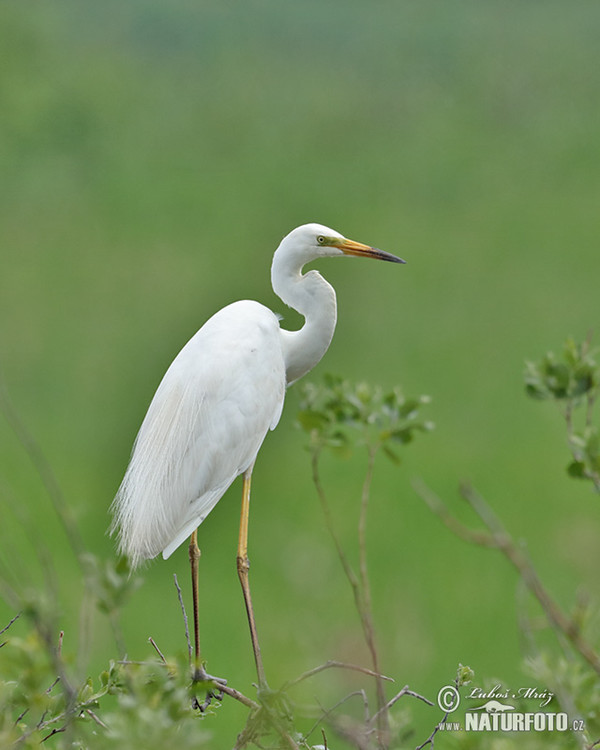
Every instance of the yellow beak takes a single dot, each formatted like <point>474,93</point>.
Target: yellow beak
<point>350,247</point>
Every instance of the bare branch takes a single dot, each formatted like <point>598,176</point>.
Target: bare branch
<point>437,506</point>
<point>53,732</point>
<point>240,697</point>
<point>152,642</point>
<point>366,614</point>
<point>6,627</point>
<point>95,718</point>
<point>185,619</point>
<point>332,664</point>
<point>405,691</point>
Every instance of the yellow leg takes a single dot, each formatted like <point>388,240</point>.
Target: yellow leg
<point>194,552</point>
<point>199,674</point>
<point>243,565</point>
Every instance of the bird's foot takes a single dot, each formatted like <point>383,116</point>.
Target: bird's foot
<point>210,685</point>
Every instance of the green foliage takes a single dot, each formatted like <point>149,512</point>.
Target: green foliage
<point>128,705</point>
<point>340,415</point>
<point>572,377</point>
<point>573,382</point>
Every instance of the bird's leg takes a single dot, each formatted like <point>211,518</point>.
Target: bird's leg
<point>199,673</point>
<point>243,565</point>
<point>194,553</point>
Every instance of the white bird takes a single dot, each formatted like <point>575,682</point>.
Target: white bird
<point>216,403</point>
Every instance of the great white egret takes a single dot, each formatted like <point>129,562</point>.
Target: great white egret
<point>221,395</point>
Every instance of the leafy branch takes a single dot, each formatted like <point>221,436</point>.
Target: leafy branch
<point>340,416</point>
<point>572,382</point>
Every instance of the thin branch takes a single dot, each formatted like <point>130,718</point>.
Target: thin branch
<point>21,716</point>
<point>332,664</point>
<point>54,684</point>
<point>152,642</point>
<point>437,506</point>
<point>240,697</point>
<point>431,739</point>
<point>14,619</point>
<point>366,614</point>
<point>95,718</point>
<point>405,691</point>
<point>185,619</point>
<point>53,732</point>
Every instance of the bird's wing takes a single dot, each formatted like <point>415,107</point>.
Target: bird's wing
<point>204,427</point>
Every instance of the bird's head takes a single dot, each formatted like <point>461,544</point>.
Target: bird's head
<point>311,241</point>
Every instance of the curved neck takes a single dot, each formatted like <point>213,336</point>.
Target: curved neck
<point>311,296</point>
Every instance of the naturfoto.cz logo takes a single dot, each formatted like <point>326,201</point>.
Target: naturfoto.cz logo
<point>498,715</point>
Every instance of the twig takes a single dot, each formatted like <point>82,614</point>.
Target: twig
<point>95,718</point>
<point>405,691</point>
<point>21,716</point>
<point>332,664</point>
<point>156,648</point>
<point>436,505</point>
<point>53,732</point>
<point>431,739</point>
<point>54,684</point>
<point>185,619</point>
<point>240,697</point>
<point>361,588</point>
<point>366,614</point>
<point>14,619</point>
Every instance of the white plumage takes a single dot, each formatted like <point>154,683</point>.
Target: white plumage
<point>221,395</point>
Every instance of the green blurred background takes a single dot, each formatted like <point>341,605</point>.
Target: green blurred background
<point>152,156</point>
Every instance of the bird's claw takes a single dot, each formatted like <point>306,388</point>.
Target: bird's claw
<point>210,684</point>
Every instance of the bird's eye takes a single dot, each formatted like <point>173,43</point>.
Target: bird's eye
<point>321,239</point>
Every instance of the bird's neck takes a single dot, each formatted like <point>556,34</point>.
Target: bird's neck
<point>313,298</point>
